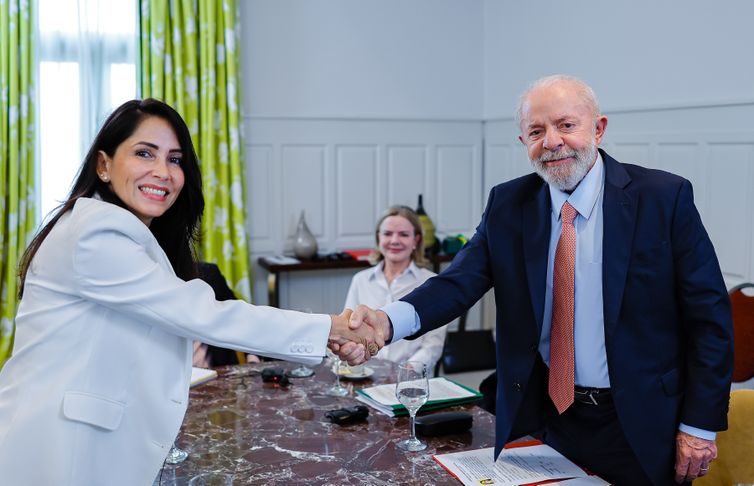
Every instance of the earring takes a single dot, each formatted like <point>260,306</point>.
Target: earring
<point>104,177</point>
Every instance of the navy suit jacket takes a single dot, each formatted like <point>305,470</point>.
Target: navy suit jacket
<point>668,328</point>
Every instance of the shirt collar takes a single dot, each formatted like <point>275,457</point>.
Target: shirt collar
<point>378,271</point>
<point>585,196</point>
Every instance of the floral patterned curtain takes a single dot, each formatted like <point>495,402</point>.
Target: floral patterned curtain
<point>189,59</point>
<point>17,177</point>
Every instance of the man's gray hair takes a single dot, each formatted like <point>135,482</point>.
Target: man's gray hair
<point>585,91</point>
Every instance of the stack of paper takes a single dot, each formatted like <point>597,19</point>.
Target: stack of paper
<point>525,463</point>
<point>200,375</point>
<point>282,260</point>
<point>442,393</point>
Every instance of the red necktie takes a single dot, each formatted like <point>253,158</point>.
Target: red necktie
<point>561,334</point>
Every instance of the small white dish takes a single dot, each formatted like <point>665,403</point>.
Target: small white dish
<point>347,374</point>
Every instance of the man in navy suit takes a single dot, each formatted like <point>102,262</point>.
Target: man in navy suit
<point>650,331</point>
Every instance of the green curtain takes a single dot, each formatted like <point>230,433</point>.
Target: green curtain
<point>189,59</point>
<point>17,178</point>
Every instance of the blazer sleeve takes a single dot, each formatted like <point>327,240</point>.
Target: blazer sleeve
<point>118,265</point>
<point>707,320</point>
<point>448,295</point>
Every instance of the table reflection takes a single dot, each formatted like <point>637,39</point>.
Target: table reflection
<point>266,434</point>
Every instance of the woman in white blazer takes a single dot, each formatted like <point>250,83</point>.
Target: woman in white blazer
<point>97,386</point>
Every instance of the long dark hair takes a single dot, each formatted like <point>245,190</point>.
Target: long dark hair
<point>177,230</point>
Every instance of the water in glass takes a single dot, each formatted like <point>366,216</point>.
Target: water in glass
<point>337,390</point>
<point>412,390</point>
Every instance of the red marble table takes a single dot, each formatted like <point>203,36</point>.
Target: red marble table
<point>265,434</point>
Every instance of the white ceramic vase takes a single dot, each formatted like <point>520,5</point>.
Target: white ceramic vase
<point>304,244</point>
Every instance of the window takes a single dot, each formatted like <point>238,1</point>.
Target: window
<point>87,67</point>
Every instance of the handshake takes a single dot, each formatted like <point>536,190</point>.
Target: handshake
<point>356,336</point>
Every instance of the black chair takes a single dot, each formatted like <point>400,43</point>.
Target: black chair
<point>210,273</point>
<point>488,389</point>
<point>466,350</point>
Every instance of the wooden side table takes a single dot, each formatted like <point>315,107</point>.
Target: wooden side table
<point>275,269</point>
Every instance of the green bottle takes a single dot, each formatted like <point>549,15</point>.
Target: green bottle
<point>428,227</point>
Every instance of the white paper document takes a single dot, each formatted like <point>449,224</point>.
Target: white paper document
<point>282,260</point>
<point>587,481</point>
<point>515,466</point>
<point>200,375</point>
<point>439,389</point>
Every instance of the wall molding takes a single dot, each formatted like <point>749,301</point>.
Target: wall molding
<point>366,118</point>
<point>392,159</point>
<point>344,173</point>
<point>648,108</point>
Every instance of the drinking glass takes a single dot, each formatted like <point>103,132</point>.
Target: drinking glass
<point>176,455</point>
<point>412,390</point>
<point>301,371</point>
<point>337,390</point>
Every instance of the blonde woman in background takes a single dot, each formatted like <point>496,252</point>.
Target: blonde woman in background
<point>399,258</point>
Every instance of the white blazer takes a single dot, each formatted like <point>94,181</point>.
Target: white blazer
<point>97,386</point>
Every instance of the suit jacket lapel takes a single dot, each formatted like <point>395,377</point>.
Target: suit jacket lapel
<point>535,227</point>
<point>619,220</point>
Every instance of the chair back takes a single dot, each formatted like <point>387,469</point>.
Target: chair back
<point>735,446</point>
<point>743,332</point>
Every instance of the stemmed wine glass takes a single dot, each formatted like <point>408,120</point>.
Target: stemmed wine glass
<point>412,390</point>
<point>301,371</point>
<point>176,455</point>
<point>337,390</point>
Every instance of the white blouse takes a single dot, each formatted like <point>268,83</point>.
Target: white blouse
<point>369,287</point>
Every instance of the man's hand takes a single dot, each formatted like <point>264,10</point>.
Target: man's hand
<point>376,319</point>
<point>355,346</point>
<point>692,456</point>
<point>364,318</point>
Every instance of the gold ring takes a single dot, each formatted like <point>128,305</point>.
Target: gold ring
<point>373,349</point>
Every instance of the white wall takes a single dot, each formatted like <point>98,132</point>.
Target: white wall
<point>418,59</point>
<point>673,80</point>
<point>352,106</point>
<point>635,54</point>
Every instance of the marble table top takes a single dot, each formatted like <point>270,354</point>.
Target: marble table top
<point>266,434</point>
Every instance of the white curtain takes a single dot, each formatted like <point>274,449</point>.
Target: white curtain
<point>87,56</point>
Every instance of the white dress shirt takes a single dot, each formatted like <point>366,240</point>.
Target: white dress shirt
<point>590,358</point>
<point>369,287</point>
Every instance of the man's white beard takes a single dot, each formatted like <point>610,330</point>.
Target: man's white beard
<point>566,177</point>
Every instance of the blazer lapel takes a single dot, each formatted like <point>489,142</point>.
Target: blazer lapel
<point>536,235</point>
<point>619,220</point>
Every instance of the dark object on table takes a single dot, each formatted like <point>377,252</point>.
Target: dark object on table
<point>275,375</point>
<point>453,244</point>
<point>337,256</point>
<point>443,423</point>
<point>350,415</point>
